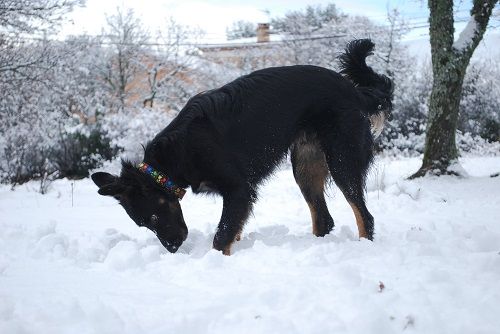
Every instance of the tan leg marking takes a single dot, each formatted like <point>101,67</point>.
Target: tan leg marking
<point>227,251</point>
<point>310,172</point>
<point>359,221</point>
<point>313,187</point>
<point>314,218</point>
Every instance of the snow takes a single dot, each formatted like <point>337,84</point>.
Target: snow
<point>487,48</point>
<point>465,38</point>
<point>434,266</point>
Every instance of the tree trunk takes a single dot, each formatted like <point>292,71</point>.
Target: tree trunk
<point>440,145</point>
<point>449,63</point>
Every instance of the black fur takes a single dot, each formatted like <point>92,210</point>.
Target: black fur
<point>353,67</point>
<point>228,140</point>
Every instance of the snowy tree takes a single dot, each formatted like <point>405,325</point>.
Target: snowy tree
<point>241,29</point>
<point>34,15</point>
<point>29,122</point>
<point>79,92</point>
<point>449,63</point>
<point>169,65</point>
<point>394,55</point>
<point>27,63</point>
<point>317,35</point>
<point>49,125</point>
<point>126,38</point>
<point>308,34</point>
<point>310,19</point>
<point>21,19</point>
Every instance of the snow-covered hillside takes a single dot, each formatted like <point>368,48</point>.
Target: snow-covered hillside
<point>434,266</point>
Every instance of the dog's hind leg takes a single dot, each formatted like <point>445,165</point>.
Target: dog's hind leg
<point>348,156</point>
<point>310,171</point>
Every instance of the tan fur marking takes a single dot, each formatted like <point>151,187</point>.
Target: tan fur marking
<point>377,123</point>
<point>359,221</point>
<point>315,182</point>
<point>227,251</point>
<point>314,217</point>
<point>319,172</point>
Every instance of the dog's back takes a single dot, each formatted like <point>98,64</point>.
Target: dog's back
<point>258,116</point>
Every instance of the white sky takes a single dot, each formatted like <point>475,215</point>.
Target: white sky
<point>213,16</point>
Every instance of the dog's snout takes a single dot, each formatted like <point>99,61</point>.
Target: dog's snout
<point>172,246</point>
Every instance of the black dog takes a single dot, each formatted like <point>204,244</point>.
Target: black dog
<point>228,140</point>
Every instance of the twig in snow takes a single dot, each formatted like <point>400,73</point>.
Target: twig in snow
<point>381,286</point>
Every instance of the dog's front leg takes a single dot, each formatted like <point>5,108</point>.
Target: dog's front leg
<point>235,211</point>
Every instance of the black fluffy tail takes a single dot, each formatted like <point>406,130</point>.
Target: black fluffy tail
<point>353,66</point>
<point>376,88</point>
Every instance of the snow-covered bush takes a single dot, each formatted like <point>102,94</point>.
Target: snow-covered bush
<point>480,103</point>
<point>40,142</point>
<point>81,149</point>
<point>479,122</point>
<point>470,144</point>
<point>48,119</point>
<point>131,129</point>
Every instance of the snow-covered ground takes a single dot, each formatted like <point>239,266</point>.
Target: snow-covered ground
<point>85,267</point>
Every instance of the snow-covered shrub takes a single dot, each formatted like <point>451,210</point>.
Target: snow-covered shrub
<point>39,113</point>
<point>479,121</point>
<point>46,147</point>
<point>412,145</point>
<point>81,149</point>
<point>405,133</point>
<point>470,144</point>
<point>480,103</point>
<point>131,129</point>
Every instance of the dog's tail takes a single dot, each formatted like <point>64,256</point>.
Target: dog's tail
<point>376,88</point>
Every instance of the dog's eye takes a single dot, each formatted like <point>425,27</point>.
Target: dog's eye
<point>154,219</point>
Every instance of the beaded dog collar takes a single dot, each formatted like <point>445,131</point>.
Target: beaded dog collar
<point>162,180</point>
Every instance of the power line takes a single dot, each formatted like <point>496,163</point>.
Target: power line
<point>408,27</point>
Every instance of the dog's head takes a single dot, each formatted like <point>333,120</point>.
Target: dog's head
<point>146,203</point>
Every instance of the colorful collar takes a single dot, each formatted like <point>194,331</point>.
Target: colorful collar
<point>162,180</point>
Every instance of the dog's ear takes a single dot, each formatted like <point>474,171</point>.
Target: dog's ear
<point>103,178</point>
<point>109,185</point>
<point>113,189</point>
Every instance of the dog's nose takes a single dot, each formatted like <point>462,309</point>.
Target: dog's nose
<point>172,246</point>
